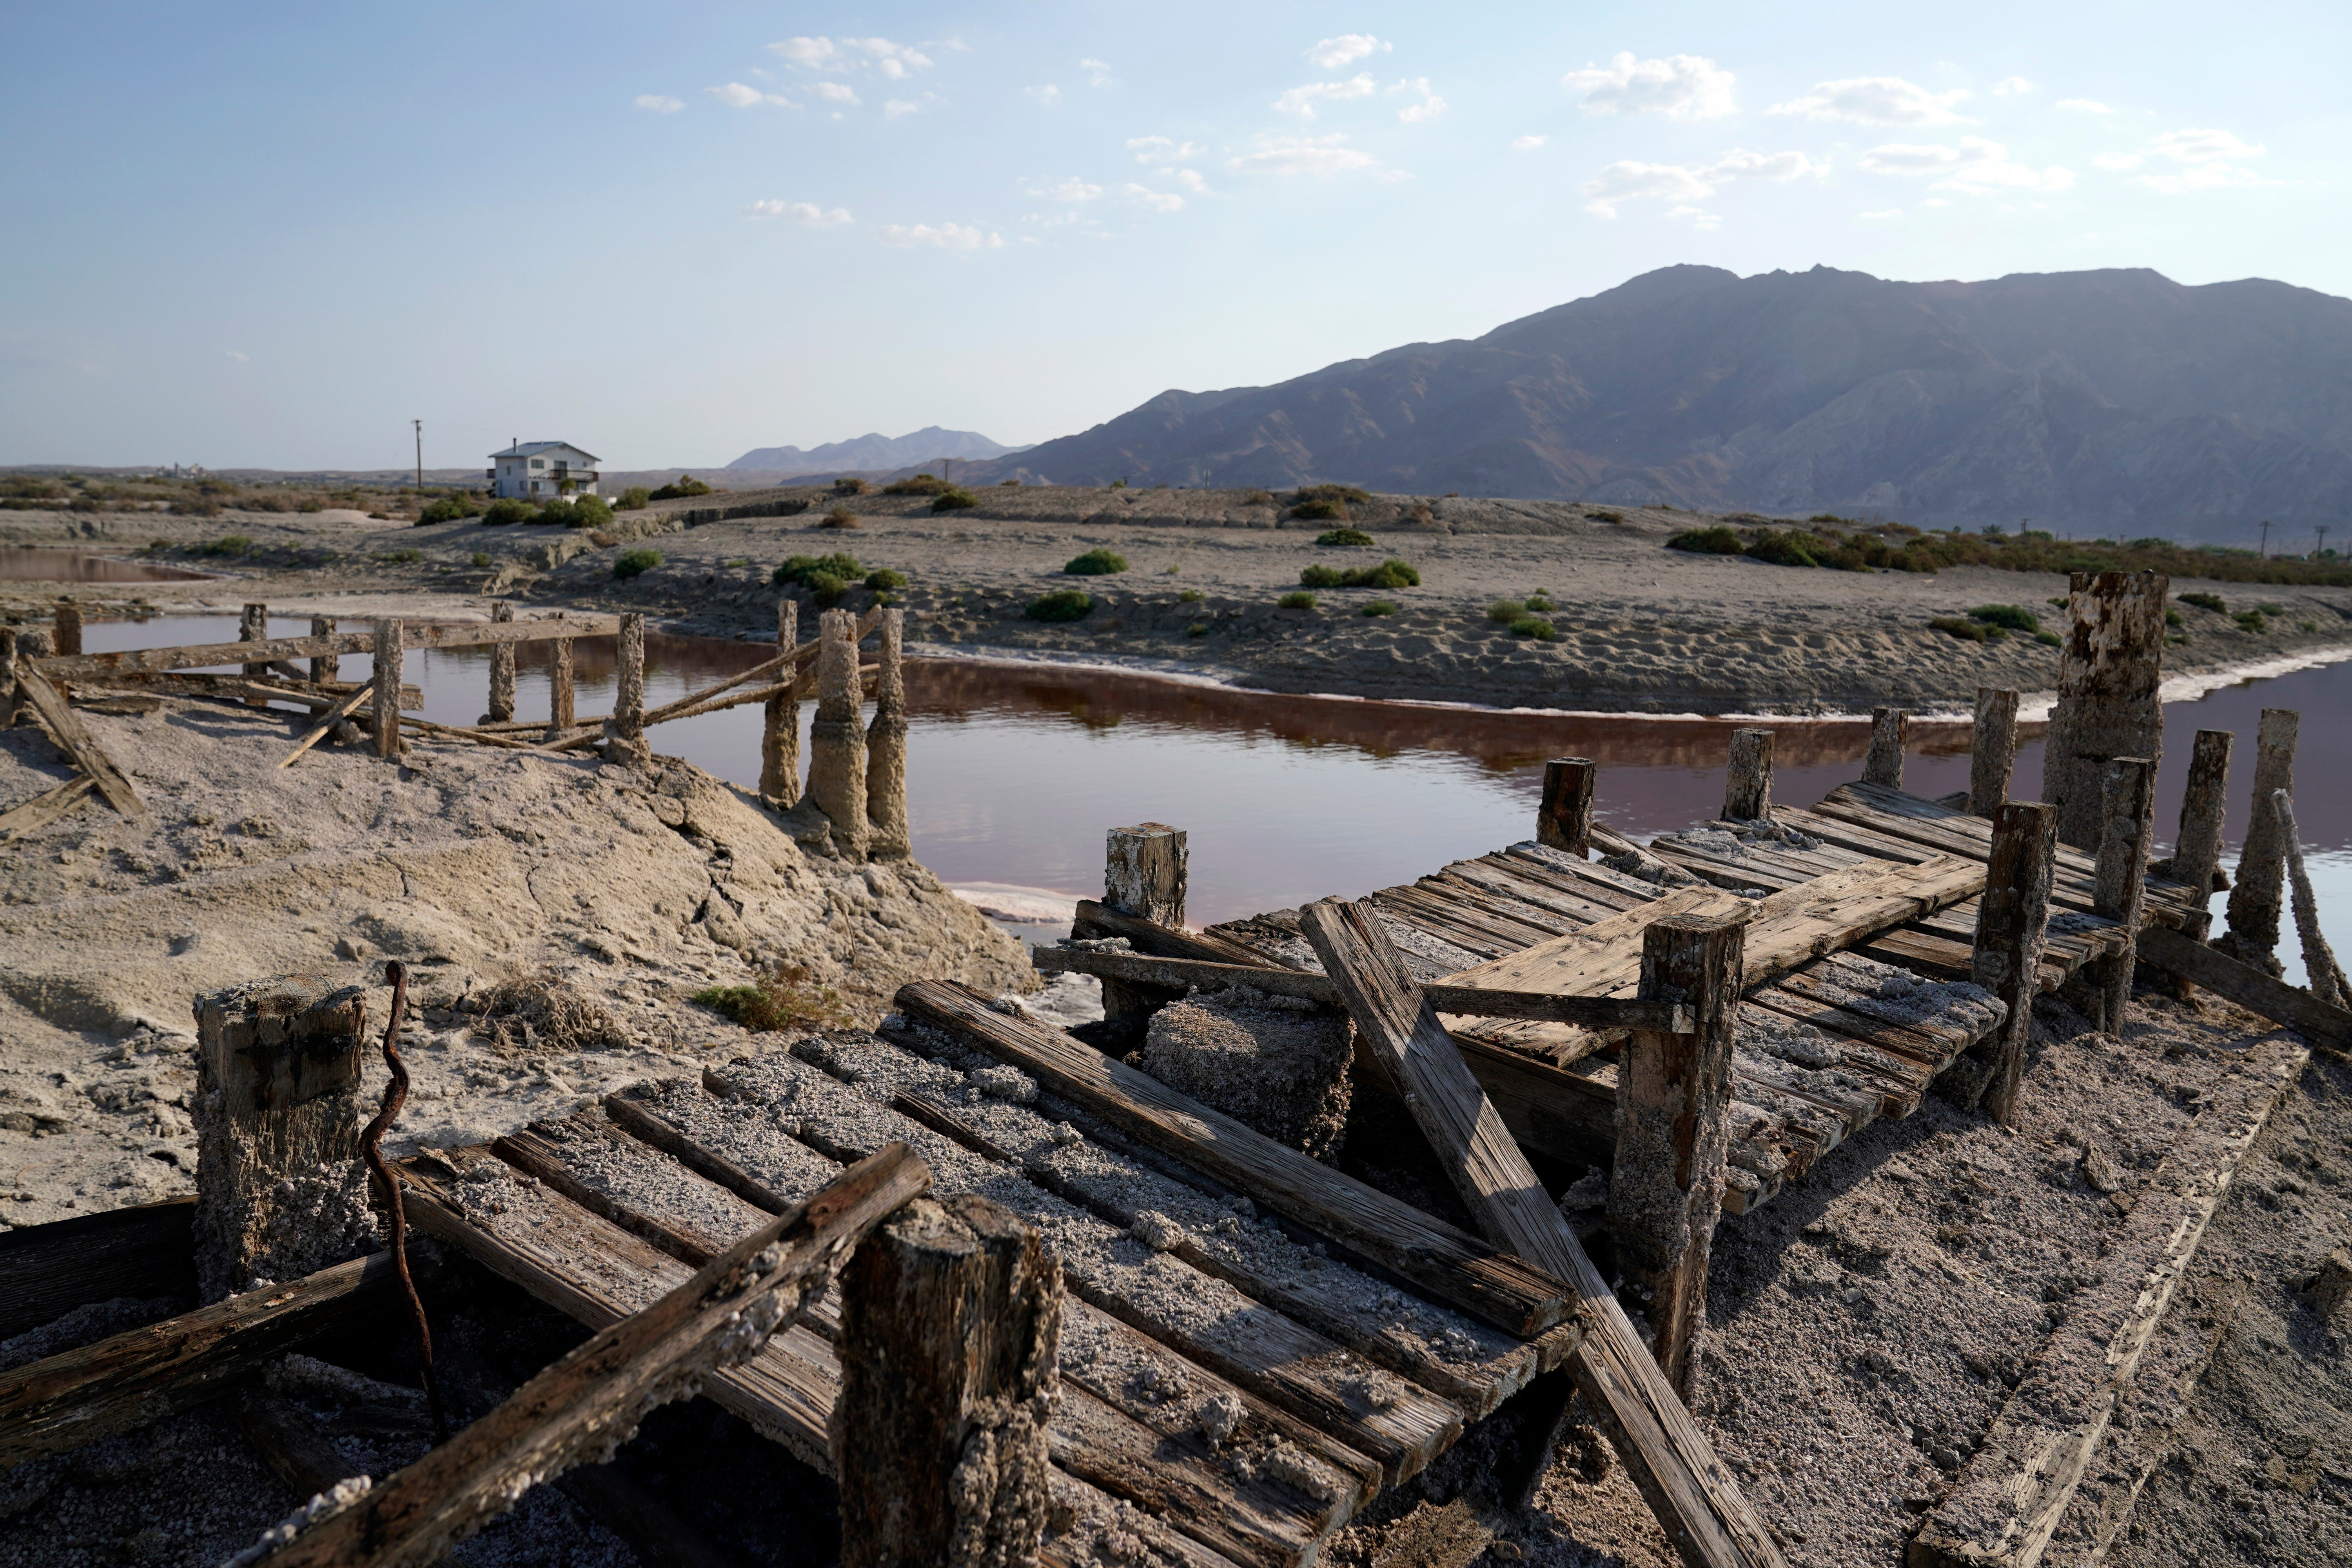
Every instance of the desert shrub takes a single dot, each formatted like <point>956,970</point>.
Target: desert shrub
<point>1604,516</point>
<point>195,506</point>
<point>1961,627</point>
<point>1502,612</point>
<point>264,501</point>
<point>840,516</point>
<point>1301,600</point>
<point>1096,562</point>
<point>543,1012</point>
<point>1540,603</point>
<point>1332,492</point>
<point>1832,518</point>
<point>636,563</point>
<point>309,503</point>
<point>1534,626</point>
<point>554,513</point>
<point>1118,484</point>
<point>2009,618</point>
<point>1321,577</point>
<point>634,498</point>
<point>2049,639</point>
<point>588,511</point>
<point>882,579</point>
<point>512,510</point>
<point>1258,498</point>
<point>824,587</point>
<point>1320,510</point>
<point>2206,602</point>
<point>849,487</point>
<point>683,488</point>
<point>1782,549</point>
<point>402,557</point>
<point>841,568</point>
<point>2174,619</point>
<point>1717,541</point>
<point>954,500</point>
<point>1379,607</point>
<point>227,544</point>
<point>2252,621</point>
<point>481,558</point>
<point>919,485</point>
<point>1061,605</point>
<point>1390,573</point>
<point>1345,537</point>
<point>781,998</point>
<point>1197,629</point>
<point>1008,484</point>
<point>450,508</point>
<point>1189,596</point>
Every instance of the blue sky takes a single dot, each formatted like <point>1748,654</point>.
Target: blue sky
<point>272,235</point>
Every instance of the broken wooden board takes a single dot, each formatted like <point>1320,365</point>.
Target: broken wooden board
<point>416,634</point>
<point>47,1270</point>
<point>50,806</point>
<point>66,727</point>
<point>2248,988</point>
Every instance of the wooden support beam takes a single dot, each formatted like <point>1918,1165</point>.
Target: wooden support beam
<point>325,667</point>
<point>1673,1094</point>
<point>1747,782</point>
<point>1883,764</point>
<point>886,745</point>
<point>2109,669</point>
<point>950,1321</point>
<point>2255,990</point>
<point>326,726</point>
<point>386,683</point>
<point>47,1270</point>
<point>50,806</point>
<point>1149,936</point>
<point>1685,1484</point>
<point>560,708</point>
<point>578,1409</point>
<point>2012,921</point>
<point>65,634</point>
<point>836,783</point>
<point>421,635</point>
<point>502,669</point>
<point>252,627</point>
<point>65,726</point>
<point>2257,891</point>
<point>1564,820</point>
<point>2197,851</point>
<point>1992,749</point>
<point>2126,827</point>
<point>626,731</point>
<point>779,736</point>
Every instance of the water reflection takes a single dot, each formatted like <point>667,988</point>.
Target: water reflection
<point>35,563</point>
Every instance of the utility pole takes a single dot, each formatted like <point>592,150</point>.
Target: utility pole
<point>420,455</point>
<point>2266,539</point>
<point>2319,551</point>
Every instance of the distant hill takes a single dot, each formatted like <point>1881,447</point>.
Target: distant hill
<point>874,452</point>
<point>2116,400</point>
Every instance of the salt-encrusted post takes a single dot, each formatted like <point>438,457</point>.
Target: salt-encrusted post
<point>502,671</point>
<point>2012,919</point>
<point>559,688</point>
<point>2255,891</point>
<point>1992,749</point>
<point>626,733</point>
<point>253,626</point>
<point>1146,869</point>
<point>949,1349</point>
<point>67,633</point>
<point>2197,852</point>
<point>280,1190</point>
<point>886,745</point>
<point>2108,672</point>
<point>780,739</point>
<point>8,677</point>
<point>324,667</point>
<point>30,644</point>
<point>836,746</point>
<point>2120,889</point>
<point>1882,766</point>
<point>386,677</point>
<point>1674,1098</point>
<point>1747,783</point>
<point>1564,821</point>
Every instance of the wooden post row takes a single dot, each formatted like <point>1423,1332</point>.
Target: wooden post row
<point>2119,889</point>
<point>780,737</point>
<point>1748,784</point>
<point>1992,749</point>
<point>2197,851</point>
<point>2256,890</point>
<point>626,733</point>
<point>68,625</point>
<point>324,667</point>
<point>2109,671</point>
<point>837,745</point>
<point>886,745</point>
<point>1882,766</point>
<point>502,671</point>
<point>386,682</point>
<point>2012,920</point>
<point>1564,821</point>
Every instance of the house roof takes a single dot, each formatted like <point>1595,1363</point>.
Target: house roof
<point>534,448</point>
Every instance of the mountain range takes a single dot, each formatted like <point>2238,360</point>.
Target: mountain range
<point>2114,399</point>
<point>875,451</point>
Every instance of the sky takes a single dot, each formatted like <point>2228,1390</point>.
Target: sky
<point>273,234</point>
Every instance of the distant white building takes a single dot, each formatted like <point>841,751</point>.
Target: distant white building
<point>543,469</point>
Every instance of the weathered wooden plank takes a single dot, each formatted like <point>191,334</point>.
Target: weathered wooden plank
<point>46,1271</point>
<point>1526,883</point>
<point>50,806</point>
<point>1164,941</point>
<point>1408,907</point>
<point>1564,819</point>
<point>65,725</point>
<point>326,726</point>
<point>2248,988</point>
<point>421,635</point>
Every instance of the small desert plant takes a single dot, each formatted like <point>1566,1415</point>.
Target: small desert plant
<point>1717,541</point>
<point>2008,617</point>
<point>1189,596</point>
<point>1390,573</point>
<point>1345,537</point>
<point>634,498</point>
<point>1540,603</point>
<point>309,504</point>
<point>954,500</point>
<point>1502,612</point>
<point>1596,516</point>
<point>512,510</point>
<point>195,506</point>
<point>1258,498</point>
<point>849,487</point>
<point>2050,639</point>
<point>1379,607</point>
<point>402,556</point>
<point>2172,618</point>
<point>2202,601</point>
<point>1962,628</point>
<point>1119,483</point>
<point>1332,493</point>
<point>683,488</point>
<point>1320,509</point>
<point>782,997</point>
<point>636,563</point>
<point>840,516</point>
<point>1008,484</point>
<point>481,558</point>
<point>1096,562</point>
<point>588,511</point>
<point>919,485</point>
<point>1301,600</point>
<point>1061,605</point>
<point>1782,549</point>
<point>882,579</point>
<point>450,509</point>
<point>824,587</point>
<point>2252,621</point>
<point>227,544</point>
<point>1321,577</point>
<point>839,568</point>
<point>1534,626</point>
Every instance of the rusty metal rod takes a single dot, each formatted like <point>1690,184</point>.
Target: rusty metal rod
<point>395,1094</point>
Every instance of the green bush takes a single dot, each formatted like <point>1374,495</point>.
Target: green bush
<point>1320,509</point>
<point>2172,618</point>
<point>919,485</point>
<point>842,568</point>
<point>2050,639</point>
<point>1345,537</point>
<point>634,498</point>
<point>227,544</point>
<point>882,579</point>
<point>1061,605</point>
<point>1532,626</point>
<point>1540,603</point>
<point>1189,596</point>
<point>512,510</point>
<point>2009,618</point>
<point>450,509</point>
<point>2252,621</point>
<point>588,511</point>
<point>840,516</point>
<point>2206,602</point>
<point>1782,549</point>
<point>849,487</point>
<point>402,556</point>
<point>1961,627</point>
<point>1341,493</point>
<point>1301,600</point>
<point>1390,573</point>
<point>683,488</point>
<point>954,500</point>
<point>1096,562</point>
<point>1119,483</point>
<point>1321,577</point>
<point>636,563</point>
<point>1197,629</point>
<point>1008,484</point>
<point>1379,607</point>
<point>1502,612</point>
<point>481,558</point>
<point>1717,541</point>
<point>783,997</point>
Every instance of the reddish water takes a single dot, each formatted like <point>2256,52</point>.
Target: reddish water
<point>33,564</point>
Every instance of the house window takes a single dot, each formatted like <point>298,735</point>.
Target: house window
<point>538,462</point>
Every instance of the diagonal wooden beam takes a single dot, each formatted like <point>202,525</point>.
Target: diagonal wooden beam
<point>65,725</point>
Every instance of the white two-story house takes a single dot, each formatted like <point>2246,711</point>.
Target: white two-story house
<point>543,469</point>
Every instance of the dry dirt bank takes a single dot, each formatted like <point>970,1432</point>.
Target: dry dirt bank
<point>1641,628</point>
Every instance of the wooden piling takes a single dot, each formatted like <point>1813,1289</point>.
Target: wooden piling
<point>66,633</point>
<point>2119,889</point>
<point>2256,890</point>
<point>2012,921</point>
<point>1564,821</point>
<point>1674,1096</point>
<point>2109,671</point>
<point>280,1190</point>
<point>886,744</point>
<point>2197,852</point>
<point>324,665</point>
<point>2322,974</point>
<point>1992,749</point>
<point>626,731</point>
<point>1747,787</point>
<point>253,626</point>
<point>1883,764</point>
<point>502,671</point>
<point>386,682</point>
<point>779,739</point>
<point>837,745</point>
<point>1146,869</point>
<point>559,688</point>
<point>8,677</point>
<point>951,1329</point>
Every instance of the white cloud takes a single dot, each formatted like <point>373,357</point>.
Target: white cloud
<point>1073,189</point>
<point>1527,143</point>
<point>835,91</point>
<point>1157,201</point>
<point>1683,87</point>
<point>1333,53</point>
<point>1321,156</point>
<point>2204,146</point>
<point>1160,149</point>
<point>2119,162</point>
<point>1428,107</point>
<point>808,213</point>
<point>1937,202</point>
<point>2207,160</point>
<point>738,96</point>
<point>1880,216</point>
<point>1097,72</point>
<point>658,103</point>
<point>899,106</point>
<point>897,61</point>
<point>1047,97</point>
<point>810,54</point>
<point>1632,181</point>
<point>2011,86</point>
<point>946,237</point>
<point>1973,168</point>
<point>1700,217</point>
<point>2084,106</point>
<point>1876,101</point>
<point>1301,100</point>
<point>241,358</point>
<point>1189,179</point>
